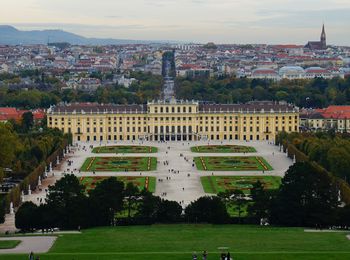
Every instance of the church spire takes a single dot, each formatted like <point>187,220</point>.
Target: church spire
<point>323,38</point>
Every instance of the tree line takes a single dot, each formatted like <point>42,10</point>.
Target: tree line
<point>305,198</point>
<point>316,93</point>
<point>25,145</point>
<point>328,149</point>
<point>147,87</point>
<point>69,206</point>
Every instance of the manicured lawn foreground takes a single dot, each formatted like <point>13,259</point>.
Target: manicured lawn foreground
<point>216,184</point>
<point>125,149</point>
<point>179,241</point>
<point>232,163</point>
<point>119,164</point>
<point>148,183</point>
<point>223,149</point>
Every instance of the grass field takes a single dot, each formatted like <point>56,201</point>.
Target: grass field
<point>8,244</point>
<point>125,149</point>
<point>161,242</point>
<point>119,164</point>
<point>232,163</point>
<point>223,149</point>
<point>216,184</point>
<point>148,183</point>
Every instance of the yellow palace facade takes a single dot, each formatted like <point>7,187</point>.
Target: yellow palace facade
<point>174,120</point>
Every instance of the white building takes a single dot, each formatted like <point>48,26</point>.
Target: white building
<point>292,72</point>
<point>262,73</point>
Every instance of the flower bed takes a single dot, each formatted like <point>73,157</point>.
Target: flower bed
<point>125,149</point>
<point>119,164</point>
<point>223,149</point>
<point>229,163</point>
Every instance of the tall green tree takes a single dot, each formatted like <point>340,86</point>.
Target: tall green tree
<point>107,198</point>
<point>27,217</point>
<point>207,209</point>
<point>64,198</point>
<point>131,194</point>
<point>307,197</point>
<point>27,121</point>
<point>238,201</point>
<point>261,200</point>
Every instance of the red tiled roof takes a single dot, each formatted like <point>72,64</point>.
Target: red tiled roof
<point>8,110</point>
<point>39,114</point>
<point>7,113</point>
<point>336,112</point>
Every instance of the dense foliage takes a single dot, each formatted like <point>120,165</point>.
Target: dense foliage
<point>317,92</point>
<point>307,197</point>
<point>25,147</point>
<point>330,150</point>
<point>147,87</point>
<point>68,206</point>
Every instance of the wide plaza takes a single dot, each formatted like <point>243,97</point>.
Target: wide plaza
<point>176,174</point>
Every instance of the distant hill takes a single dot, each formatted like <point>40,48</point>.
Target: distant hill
<point>9,35</point>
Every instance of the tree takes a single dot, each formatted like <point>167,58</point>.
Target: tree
<point>261,198</point>
<point>64,198</point>
<point>307,197</point>
<point>9,144</point>
<point>339,162</point>
<point>344,216</point>
<point>107,200</point>
<point>148,207</point>
<point>27,121</point>
<point>2,210</point>
<point>131,194</point>
<point>238,199</point>
<point>169,212</point>
<point>2,174</point>
<point>207,209</point>
<point>26,217</point>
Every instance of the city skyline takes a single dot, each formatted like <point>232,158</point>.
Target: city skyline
<point>188,21</point>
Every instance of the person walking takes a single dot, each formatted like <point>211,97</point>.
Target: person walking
<point>205,255</point>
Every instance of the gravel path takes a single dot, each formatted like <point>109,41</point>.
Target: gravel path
<point>37,244</point>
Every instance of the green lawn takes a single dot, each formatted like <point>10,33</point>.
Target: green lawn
<point>119,164</point>
<point>160,242</point>
<point>232,163</point>
<point>8,244</point>
<point>216,184</point>
<point>223,149</point>
<point>141,182</point>
<point>125,149</point>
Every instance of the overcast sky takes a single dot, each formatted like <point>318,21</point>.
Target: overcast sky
<point>220,21</point>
